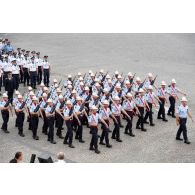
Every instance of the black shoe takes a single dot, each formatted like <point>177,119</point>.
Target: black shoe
<point>113,137</point>
<point>102,143</point>
<point>53,142</point>
<point>169,114</point>
<point>62,128</point>
<point>71,146</point>
<point>44,132</point>
<point>187,142</point>
<point>138,128</point>
<point>35,137</point>
<point>97,151</point>
<point>131,134</point>
<point>121,126</point>
<point>173,116</point>
<point>76,137</point>
<point>91,148</point>
<point>152,124</point>
<point>22,134</point>
<point>109,146</point>
<point>146,122</point>
<point>65,142</point>
<point>109,131</point>
<point>126,133</point>
<point>178,138</point>
<point>159,117</point>
<point>118,140</point>
<point>61,137</point>
<point>48,140</point>
<point>144,129</point>
<point>16,125</point>
<point>6,131</point>
<point>81,141</point>
<point>165,120</point>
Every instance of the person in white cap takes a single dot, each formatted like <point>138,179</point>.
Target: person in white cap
<point>50,118</point>
<point>72,97</point>
<point>105,96</point>
<point>5,108</point>
<point>130,107</point>
<point>59,117</point>
<point>20,109</point>
<point>80,88</point>
<point>34,112</point>
<point>181,118</point>
<point>150,81</point>
<point>117,90</point>
<point>39,63</point>
<point>136,85</point>
<point>15,72</point>
<point>94,100</point>
<point>142,105</point>
<point>93,120</point>
<point>43,106</point>
<point>79,110</point>
<point>173,97</point>
<point>130,78</point>
<point>127,88</point>
<point>15,98</point>
<point>33,69</point>
<point>46,70</point>
<point>68,117</point>
<point>40,90</point>
<point>105,114</point>
<point>25,70</point>
<point>151,99</point>
<point>161,93</point>
<point>116,110</point>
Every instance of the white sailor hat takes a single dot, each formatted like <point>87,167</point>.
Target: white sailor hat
<point>184,99</point>
<point>78,98</point>
<point>31,93</point>
<point>116,72</point>
<point>79,74</point>
<point>150,75</point>
<point>17,92</point>
<point>68,102</point>
<point>106,90</point>
<point>109,81</point>
<point>92,75</point>
<point>19,96</point>
<point>163,83</point>
<point>141,90</point>
<point>42,85</point>
<point>86,88</point>
<point>5,95</point>
<point>69,86</point>
<point>58,90</point>
<point>107,76</point>
<point>69,76</point>
<point>45,89</point>
<point>60,96</point>
<point>129,95</point>
<point>73,91</point>
<point>118,85</point>
<point>95,94</point>
<point>55,81</point>
<point>173,81</point>
<point>150,87</point>
<point>97,85</point>
<point>90,71</point>
<point>80,78</point>
<point>119,76</point>
<point>94,107</point>
<point>34,98</point>
<point>130,74</point>
<point>81,83</point>
<point>127,83</point>
<point>49,100</point>
<point>29,88</point>
<point>69,83</point>
<point>44,95</point>
<point>56,85</point>
<point>106,102</point>
<point>138,79</point>
<point>101,71</point>
<point>116,98</point>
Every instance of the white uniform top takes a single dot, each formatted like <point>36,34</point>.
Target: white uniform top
<point>173,90</point>
<point>18,105</point>
<point>15,100</point>
<point>32,67</point>
<point>94,119</point>
<point>135,87</point>
<point>48,109</point>
<point>19,61</point>
<point>161,92</point>
<point>140,101</point>
<point>7,66</point>
<point>105,113</point>
<point>149,97</point>
<point>116,109</point>
<point>42,105</point>
<point>29,102</point>
<point>182,111</point>
<point>33,107</point>
<point>127,105</point>
<point>66,112</point>
<point>15,69</point>
<point>77,107</point>
<point>147,83</point>
<point>39,93</point>
<point>38,61</point>
<point>2,103</point>
<point>46,65</point>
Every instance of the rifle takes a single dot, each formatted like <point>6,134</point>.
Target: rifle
<point>104,77</point>
<point>7,104</point>
<point>112,89</point>
<point>53,108</point>
<point>142,84</point>
<point>100,91</point>
<point>38,106</point>
<point>82,107</point>
<point>23,104</point>
<point>88,98</point>
<point>62,105</point>
<point>59,82</point>
<point>131,81</point>
<point>122,84</point>
<point>152,82</point>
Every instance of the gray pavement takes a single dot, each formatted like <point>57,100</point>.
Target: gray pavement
<point>168,55</point>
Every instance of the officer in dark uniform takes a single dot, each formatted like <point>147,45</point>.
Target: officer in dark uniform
<point>10,86</point>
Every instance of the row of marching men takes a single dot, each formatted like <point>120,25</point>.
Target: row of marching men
<point>80,106</point>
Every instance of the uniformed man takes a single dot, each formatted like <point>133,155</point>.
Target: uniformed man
<point>25,70</point>
<point>93,123</point>
<point>172,91</point>
<point>136,86</point>
<point>20,108</point>
<point>20,61</point>
<point>46,70</point>
<point>33,70</point>
<point>161,93</point>
<point>150,98</point>
<point>130,107</point>
<point>40,91</point>
<point>181,117</point>
<point>7,68</point>
<point>142,105</point>
<point>68,117</point>
<point>39,63</point>
<point>34,112</point>
<point>59,115</point>
<point>105,114</point>
<point>15,72</point>
<point>50,119</point>
<point>10,86</point>
<point>5,108</point>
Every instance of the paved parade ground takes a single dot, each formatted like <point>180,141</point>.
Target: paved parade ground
<point>168,55</point>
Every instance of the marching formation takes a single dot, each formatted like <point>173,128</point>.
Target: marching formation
<point>91,100</point>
